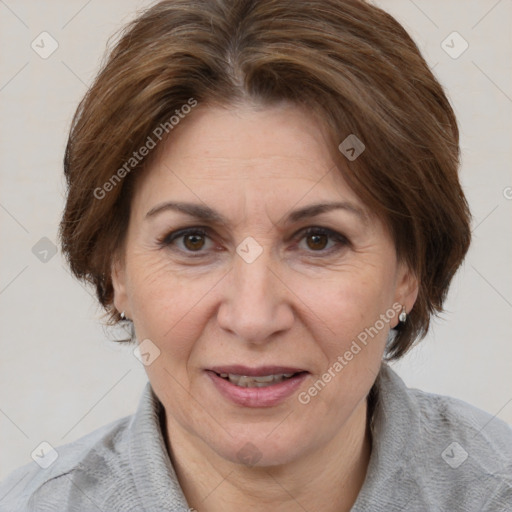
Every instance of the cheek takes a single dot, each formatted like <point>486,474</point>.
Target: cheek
<point>167,304</point>
<point>154,292</point>
<point>347,300</point>
<point>351,335</point>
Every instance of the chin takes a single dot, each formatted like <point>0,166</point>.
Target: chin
<point>255,448</point>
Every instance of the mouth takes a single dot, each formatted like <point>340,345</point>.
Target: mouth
<point>257,387</point>
<point>246,381</point>
<point>261,377</point>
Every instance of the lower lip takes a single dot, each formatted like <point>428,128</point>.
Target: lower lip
<point>257,397</point>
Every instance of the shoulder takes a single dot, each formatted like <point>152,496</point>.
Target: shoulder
<point>471,449</point>
<point>488,437</point>
<point>458,455</point>
<point>91,461</point>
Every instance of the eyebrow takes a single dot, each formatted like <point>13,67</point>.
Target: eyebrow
<point>207,214</point>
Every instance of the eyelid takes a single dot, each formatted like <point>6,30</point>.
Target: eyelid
<point>334,235</point>
<point>206,231</point>
<point>178,233</point>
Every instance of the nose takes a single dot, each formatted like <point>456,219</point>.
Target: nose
<point>256,303</point>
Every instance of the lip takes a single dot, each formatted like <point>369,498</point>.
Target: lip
<point>268,396</point>
<point>237,369</point>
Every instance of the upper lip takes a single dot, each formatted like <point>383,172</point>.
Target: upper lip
<point>259,371</point>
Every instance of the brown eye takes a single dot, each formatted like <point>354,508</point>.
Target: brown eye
<point>193,241</point>
<point>318,241</point>
<point>186,241</point>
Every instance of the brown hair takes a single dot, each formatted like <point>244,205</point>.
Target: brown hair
<point>347,61</point>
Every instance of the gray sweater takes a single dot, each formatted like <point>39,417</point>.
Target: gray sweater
<point>430,453</point>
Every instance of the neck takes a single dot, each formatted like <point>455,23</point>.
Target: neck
<point>328,479</point>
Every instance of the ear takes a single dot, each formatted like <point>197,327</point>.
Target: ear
<point>407,288</point>
<point>118,276</point>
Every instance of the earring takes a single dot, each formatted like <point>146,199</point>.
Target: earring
<point>403,315</point>
<point>123,316</point>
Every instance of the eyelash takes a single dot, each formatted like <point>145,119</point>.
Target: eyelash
<point>168,239</point>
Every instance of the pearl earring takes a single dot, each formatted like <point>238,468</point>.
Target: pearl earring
<point>403,315</point>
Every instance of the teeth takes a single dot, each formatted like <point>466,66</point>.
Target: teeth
<point>245,381</point>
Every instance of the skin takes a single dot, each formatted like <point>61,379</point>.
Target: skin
<point>300,303</point>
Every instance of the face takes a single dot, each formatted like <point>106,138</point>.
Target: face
<point>246,281</point>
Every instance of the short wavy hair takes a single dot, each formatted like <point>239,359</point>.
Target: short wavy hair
<point>348,62</point>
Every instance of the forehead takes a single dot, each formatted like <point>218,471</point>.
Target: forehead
<point>238,139</point>
<point>266,153</point>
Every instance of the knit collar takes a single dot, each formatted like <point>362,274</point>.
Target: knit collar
<point>395,423</point>
<point>155,479</point>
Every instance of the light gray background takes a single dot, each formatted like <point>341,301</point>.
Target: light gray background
<point>61,377</point>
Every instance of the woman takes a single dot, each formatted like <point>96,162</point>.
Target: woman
<point>267,193</point>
